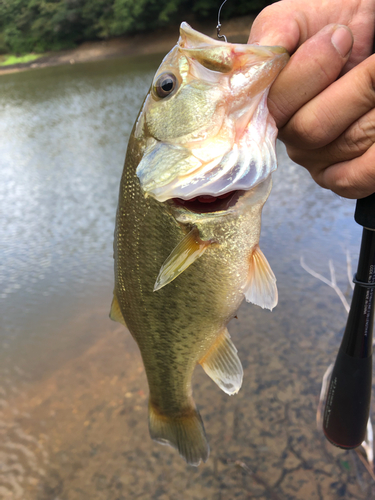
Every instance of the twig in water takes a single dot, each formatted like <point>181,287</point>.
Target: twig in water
<point>331,283</point>
<point>349,269</point>
<point>368,467</point>
<point>238,463</point>
<point>323,391</point>
<point>368,446</point>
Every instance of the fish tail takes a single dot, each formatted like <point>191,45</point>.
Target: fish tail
<point>185,433</point>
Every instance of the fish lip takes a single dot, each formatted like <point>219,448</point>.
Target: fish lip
<point>199,207</point>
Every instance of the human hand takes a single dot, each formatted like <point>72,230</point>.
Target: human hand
<point>326,122</point>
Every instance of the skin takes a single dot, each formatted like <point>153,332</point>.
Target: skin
<point>323,101</point>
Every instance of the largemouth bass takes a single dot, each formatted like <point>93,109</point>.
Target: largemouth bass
<point>197,173</point>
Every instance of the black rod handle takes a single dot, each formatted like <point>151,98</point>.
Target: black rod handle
<point>348,401</point>
<point>365,212</point>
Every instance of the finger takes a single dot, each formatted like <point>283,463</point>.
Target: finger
<point>277,25</point>
<point>329,114</point>
<point>354,142</point>
<point>291,22</point>
<point>311,69</point>
<point>350,179</point>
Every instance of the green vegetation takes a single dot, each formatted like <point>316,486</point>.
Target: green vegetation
<point>40,25</point>
<point>8,60</point>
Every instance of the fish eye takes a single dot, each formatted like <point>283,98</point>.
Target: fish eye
<point>165,85</point>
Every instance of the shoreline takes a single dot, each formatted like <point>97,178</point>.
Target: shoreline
<point>162,40</point>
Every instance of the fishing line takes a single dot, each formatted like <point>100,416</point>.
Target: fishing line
<point>218,27</point>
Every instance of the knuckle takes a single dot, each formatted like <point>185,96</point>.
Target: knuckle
<point>279,108</point>
<point>309,129</point>
<point>334,179</point>
<point>328,70</point>
<point>353,179</point>
<point>303,158</point>
<point>305,128</point>
<point>263,18</point>
<point>361,135</point>
<point>343,187</point>
<point>268,11</point>
<point>296,155</point>
<point>367,84</point>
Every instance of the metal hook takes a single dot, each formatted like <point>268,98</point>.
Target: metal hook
<point>218,27</point>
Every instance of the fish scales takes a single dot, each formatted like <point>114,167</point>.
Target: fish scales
<point>184,265</point>
<point>146,242</point>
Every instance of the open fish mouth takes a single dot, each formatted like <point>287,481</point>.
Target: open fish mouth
<point>208,203</point>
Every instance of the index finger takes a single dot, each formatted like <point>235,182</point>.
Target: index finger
<point>311,69</point>
<point>290,23</point>
<point>276,26</point>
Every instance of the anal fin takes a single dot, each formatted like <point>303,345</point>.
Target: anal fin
<point>190,248</point>
<point>222,364</point>
<point>261,285</point>
<point>115,313</point>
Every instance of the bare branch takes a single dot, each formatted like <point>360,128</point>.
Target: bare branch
<point>323,391</point>
<point>332,271</point>
<point>368,444</point>
<point>365,463</point>
<point>331,283</point>
<point>349,269</point>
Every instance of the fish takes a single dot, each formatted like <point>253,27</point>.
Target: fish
<point>197,173</point>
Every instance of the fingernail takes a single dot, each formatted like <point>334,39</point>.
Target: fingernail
<point>342,40</point>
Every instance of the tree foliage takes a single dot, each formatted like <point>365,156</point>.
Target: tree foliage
<point>40,25</point>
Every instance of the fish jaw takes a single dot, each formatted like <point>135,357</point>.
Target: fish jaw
<point>234,206</point>
<point>214,133</point>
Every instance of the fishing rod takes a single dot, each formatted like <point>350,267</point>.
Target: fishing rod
<point>349,394</point>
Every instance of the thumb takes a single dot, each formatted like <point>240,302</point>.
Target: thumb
<point>313,67</point>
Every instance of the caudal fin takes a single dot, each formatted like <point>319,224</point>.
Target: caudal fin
<point>185,433</point>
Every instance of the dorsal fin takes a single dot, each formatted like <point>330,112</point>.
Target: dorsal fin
<point>116,314</point>
<point>222,364</point>
<point>261,285</point>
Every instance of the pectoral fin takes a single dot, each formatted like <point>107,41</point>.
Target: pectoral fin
<point>116,314</point>
<point>184,254</point>
<point>222,364</point>
<point>261,286</point>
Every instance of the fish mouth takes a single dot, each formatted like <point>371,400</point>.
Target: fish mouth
<point>209,204</point>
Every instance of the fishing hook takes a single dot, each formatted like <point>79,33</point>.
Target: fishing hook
<point>218,27</point>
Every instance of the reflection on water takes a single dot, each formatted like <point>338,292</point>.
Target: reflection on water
<point>63,139</point>
<point>73,394</point>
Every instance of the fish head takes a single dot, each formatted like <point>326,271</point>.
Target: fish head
<point>205,125</point>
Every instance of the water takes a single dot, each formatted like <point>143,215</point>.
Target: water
<point>73,393</point>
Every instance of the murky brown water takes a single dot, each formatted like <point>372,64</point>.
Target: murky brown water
<point>73,393</point>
